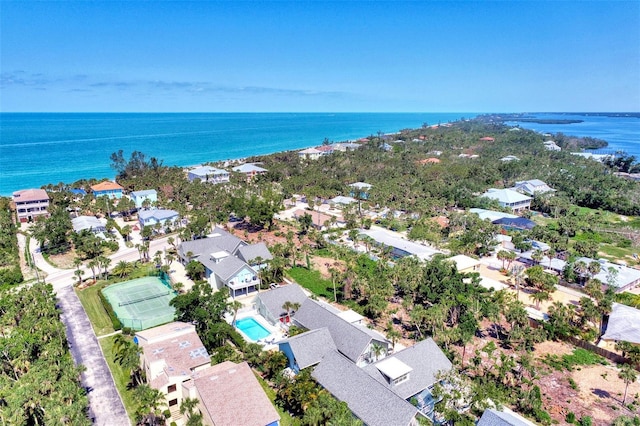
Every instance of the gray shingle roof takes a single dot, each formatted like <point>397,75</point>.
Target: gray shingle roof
<point>274,299</point>
<point>157,214</point>
<point>501,418</point>
<point>624,324</point>
<point>218,240</point>
<point>253,251</point>
<point>350,339</point>
<point>224,269</point>
<point>425,358</point>
<point>369,400</point>
<point>309,348</point>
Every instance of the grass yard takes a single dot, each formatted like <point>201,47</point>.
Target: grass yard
<point>95,310</point>
<point>120,377</point>
<point>285,417</point>
<point>312,281</point>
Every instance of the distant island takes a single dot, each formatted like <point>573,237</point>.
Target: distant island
<point>523,118</point>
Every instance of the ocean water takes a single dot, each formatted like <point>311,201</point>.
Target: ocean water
<point>622,133</point>
<point>42,148</point>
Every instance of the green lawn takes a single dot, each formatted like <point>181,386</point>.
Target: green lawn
<point>95,310</point>
<point>120,377</point>
<point>612,252</point>
<point>285,417</point>
<point>312,281</point>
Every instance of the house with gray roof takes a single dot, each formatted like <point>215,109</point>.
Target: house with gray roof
<point>504,417</point>
<point>412,373</point>
<point>208,174</point>
<point>269,303</point>
<point>250,170</point>
<point>509,198</point>
<point>307,349</point>
<point>225,270</point>
<point>218,240</point>
<point>621,277</point>
<point>532,187</point>
<point>91,223</point>
<point>369,400</point>
<point>255,255</point>
<point>623,324</point>
<point>161,216</point>
<point>356,342</point>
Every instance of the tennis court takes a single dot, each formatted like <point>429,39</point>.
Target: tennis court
<point>141,303</point>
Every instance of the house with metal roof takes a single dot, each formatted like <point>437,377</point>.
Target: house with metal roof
<point>532,187</point>
<point>91,223</point>
<point>504,417</point>
<point>31,204</point>
<point>621,277</point>
<point>399,246</point>
<point>623,324</point>
<point>360,190</point>
<point>310,154</point>
<point>491,215</point>
<point>250,170</point>
<point>147,196</point>
<point>514,200</point>
<point>208,174</point>
<point>107,188</point>
<point>357,342</point>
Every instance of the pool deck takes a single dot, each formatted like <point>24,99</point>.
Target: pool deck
<point>268,343</point>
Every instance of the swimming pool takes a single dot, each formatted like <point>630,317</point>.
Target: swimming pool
<point>252,329</point>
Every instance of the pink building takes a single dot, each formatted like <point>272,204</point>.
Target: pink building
<point>31,204</point>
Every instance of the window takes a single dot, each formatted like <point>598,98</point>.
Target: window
<point>171,388</point>
<point>173,402</point>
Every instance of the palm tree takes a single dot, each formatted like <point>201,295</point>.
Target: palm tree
<point>125,231</point>
<point>392,334</point>
<point>104,263</point>
<point>235,307</point>
<point>628,374</point>
<point>79,273</point>
<point>290,306</point>
<point>93,264</point>
<point>377,350</point>
<point>188,407</point>
<point>123,268</point>
<point>536,256</point>
<point>127,355</point>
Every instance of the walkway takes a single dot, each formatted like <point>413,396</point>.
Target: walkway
<point>105,405</point>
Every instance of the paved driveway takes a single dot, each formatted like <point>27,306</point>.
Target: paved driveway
<point>105,405</point>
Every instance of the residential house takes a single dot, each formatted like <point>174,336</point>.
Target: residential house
<point>430,160</point>
<point>491,215</point>
<point>412,373</point>
<point>91,223</point>
<point>250,170</point>
<point>161,216</point>
<point>255,255</point>
<point>532,187</point>
<point>465,264</point>
<point>399,246</point>
<point>621,277</point>
<point>357,342</point>
<point>319,220</point>
<point>230,395</point>
<point>147,197</point>
<point>623,324</point>
<point>341,200</point>
<point>551,146</point>
<point>509,198</point>
<point>487,139</point>
<point>509,158</point>
<point>269,303</point>
<point>369,400</point>
<point>31,204</point>
<point>307,349</point>
<point>107,188</point>
<point>360,190</point>
<point>515,223</point>
<point>346,146</point>
<point>325,149</point>
<point>208,174</point>
<point>171,355</point>
<point>222,255</point>
<point>309,154</point>
<point>504,417</point>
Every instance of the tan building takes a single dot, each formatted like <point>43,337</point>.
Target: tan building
<point>31,204</point>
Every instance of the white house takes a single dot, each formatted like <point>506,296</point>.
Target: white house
<point>162,216</point>
<point>250,170</point>
<point>551,146</point>
<point>532,187</point>
<point>208,174</point>
<point>514,200</point>
<point>310,154</point>
<point>31,204</point>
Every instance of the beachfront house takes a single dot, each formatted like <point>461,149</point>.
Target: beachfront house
<point>309,154</point>
<point>532,187</point>
<point>509,198</point>
<point>145,198</point>
<point>208,174</point>
<point>162,216</point>
<point>171,355</point>
<point>250,170</point>
<point>551,146</point>
<point>31,204</point>
<point>107,188</point>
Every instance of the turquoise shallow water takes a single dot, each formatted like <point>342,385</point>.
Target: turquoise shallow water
<point>37,149</point>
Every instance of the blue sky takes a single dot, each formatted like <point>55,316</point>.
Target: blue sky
<point>423,56</point>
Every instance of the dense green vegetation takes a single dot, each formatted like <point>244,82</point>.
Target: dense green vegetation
<point>39,383</point>
<point>10,273</point>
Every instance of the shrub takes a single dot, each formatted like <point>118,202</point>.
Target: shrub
<point>112,315</point>
<point>570,417</point>
<point>585,421</point>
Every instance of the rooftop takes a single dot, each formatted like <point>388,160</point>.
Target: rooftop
<point>248,168</point>
<point>106,186</point>
<point>310,347</point>
<point>26,195</point>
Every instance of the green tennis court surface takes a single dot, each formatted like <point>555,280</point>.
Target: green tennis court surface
<point>141,303</point>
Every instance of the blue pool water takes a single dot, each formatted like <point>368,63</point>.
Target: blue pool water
<point>252,329</point>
